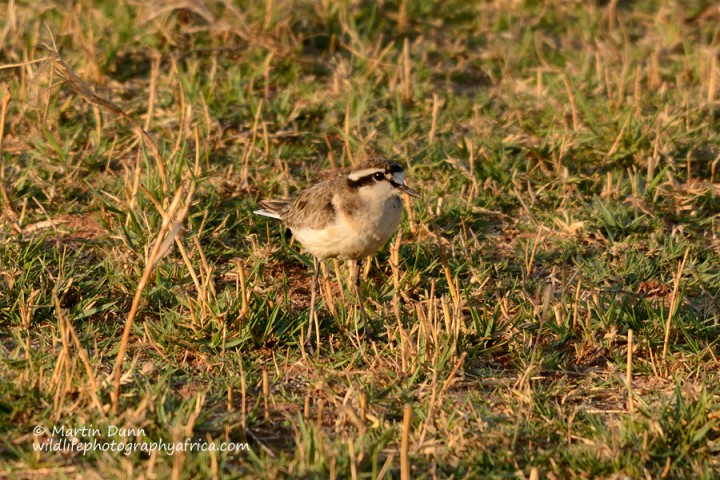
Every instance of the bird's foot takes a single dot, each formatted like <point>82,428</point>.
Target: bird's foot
<point>309,345</point>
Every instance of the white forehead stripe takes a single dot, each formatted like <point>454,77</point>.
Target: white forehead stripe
<point>358,174</point>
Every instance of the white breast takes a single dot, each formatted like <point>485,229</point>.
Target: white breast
<point>354,235</point>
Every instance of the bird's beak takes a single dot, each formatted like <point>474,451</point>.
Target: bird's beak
<point>405,189</point>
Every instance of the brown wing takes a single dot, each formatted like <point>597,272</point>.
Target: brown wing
<point>312,208</point>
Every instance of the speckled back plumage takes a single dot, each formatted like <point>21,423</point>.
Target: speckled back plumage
<point>313,207</point>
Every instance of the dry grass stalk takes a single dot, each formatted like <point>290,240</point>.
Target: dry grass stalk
<point>65,324</point>
<point>395,267</point>
<point>446,268</point>
<point>628,373</point>
<point>170,227</point>
<point>674,299</point>
<point>7,210</point>
<point>573,106</point>
<point>407,71</point>
<point>243,399</point>
<point>266,394</point>
<point>245,308</point>
<point>530,253</point>
<point>326,287</point>
<point>386,466</point>
<point>230,407</point>
<point>433,128</point>
<point>351,454</point>
<point>405,443</point>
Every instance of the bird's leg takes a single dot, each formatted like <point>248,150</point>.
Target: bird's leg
<point>358,294</point>
<point>312,319</point>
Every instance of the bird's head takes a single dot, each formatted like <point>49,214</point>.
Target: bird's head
<point>380,178</point>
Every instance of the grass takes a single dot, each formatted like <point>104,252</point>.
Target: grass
<point>567,157</point>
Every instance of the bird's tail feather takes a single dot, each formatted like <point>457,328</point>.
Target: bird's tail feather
<point>268,213</point>
<point>272,208</point>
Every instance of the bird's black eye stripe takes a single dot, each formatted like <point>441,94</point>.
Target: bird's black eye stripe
<point>366,180</point>
<point>361,182</point>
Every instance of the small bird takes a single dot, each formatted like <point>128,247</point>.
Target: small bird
<point>349,217</point>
